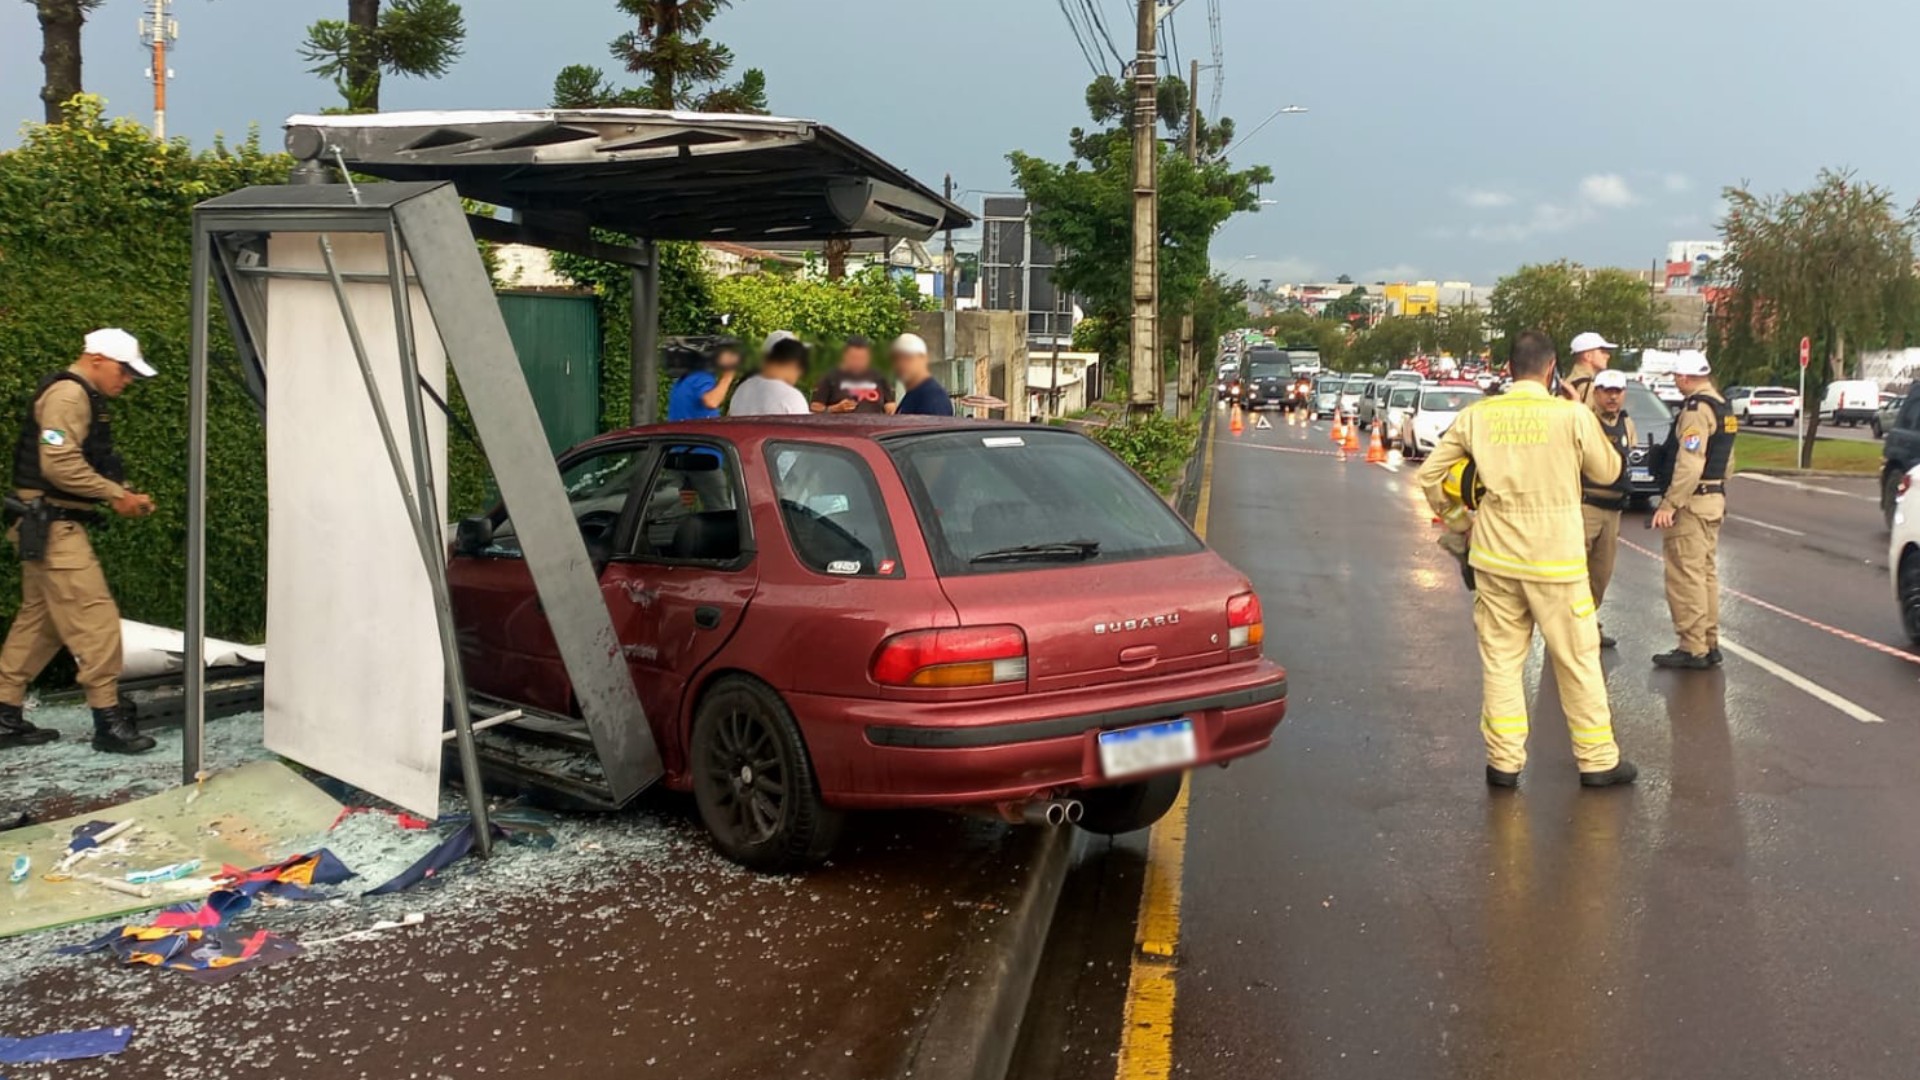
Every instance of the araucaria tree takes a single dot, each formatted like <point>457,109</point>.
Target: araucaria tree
<point>60,24</point>
<point>418,38</point>
<point>680,68</point>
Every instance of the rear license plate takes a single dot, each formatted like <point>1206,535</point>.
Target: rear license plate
<point>1640,476</point>
<point>1131,751</point>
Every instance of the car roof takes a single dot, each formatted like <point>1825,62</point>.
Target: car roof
<point>828,428</point>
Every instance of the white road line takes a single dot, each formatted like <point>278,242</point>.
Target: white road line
<point>1800,682</point>
<point>1766,525</point>
<point>1780,481</point>
<point>1390,466</point>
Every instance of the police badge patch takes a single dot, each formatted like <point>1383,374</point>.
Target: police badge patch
<point>53,437</point>
<point>1692,442</point>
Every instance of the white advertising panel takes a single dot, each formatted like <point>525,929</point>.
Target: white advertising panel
<point>357,681</point>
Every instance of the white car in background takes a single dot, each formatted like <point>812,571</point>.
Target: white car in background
<point>1668,391</point>
<point>1903,554</point>
<point>1767,405</point>
<point>1432,414</point>
<point>1400,401</point>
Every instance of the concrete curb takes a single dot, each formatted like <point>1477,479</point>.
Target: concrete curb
<point>1811,474</point>
<point>974,1028</point>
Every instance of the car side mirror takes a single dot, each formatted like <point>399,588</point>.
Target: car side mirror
<point>473,536</point>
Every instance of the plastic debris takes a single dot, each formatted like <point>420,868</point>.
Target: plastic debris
<point>164,873</point>
<point>64,1046</point>
<point>21,866</point>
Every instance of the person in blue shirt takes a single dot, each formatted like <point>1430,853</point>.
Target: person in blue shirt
<point>925,396</point>
<point>699,393</point>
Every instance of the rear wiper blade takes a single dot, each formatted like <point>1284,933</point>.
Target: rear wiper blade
<point>1055,551</point>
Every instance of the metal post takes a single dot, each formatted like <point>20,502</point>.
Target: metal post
<point>1187,389</point>
<point>426,530</point>
<point>645,336</point>
<point>1144,396</point>
<point>192,752</point>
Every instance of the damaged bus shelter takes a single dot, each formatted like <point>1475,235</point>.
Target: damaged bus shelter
<point>353,304</point>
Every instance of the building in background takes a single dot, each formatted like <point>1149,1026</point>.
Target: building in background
<point>1016,274</point>
<point>1689,266</point>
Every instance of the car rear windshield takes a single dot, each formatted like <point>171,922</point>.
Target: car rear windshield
<point>1777,395</point>
<point>1402,396</point>
<point>1356,386</point>
<point>1448,400</point>
<point>1329,386</point>
<point>1001,500</point>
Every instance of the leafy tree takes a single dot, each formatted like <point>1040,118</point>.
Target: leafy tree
<point>1564,298</point>
<point>682,69</point>
<point>60,23</point>
<point>420,38</point>
<point>1084,207</point>
<point>1392,341</point>
<point>1833,263</point>
<point>1343,279</point>
<point>1459,331</point>
<point>1353,307</point>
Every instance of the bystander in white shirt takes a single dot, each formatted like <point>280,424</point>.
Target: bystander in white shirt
<point>763,396</point>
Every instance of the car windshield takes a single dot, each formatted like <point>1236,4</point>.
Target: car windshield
<point>992,501</point>
<point>1402,397</point>
<point>1328,386</point>
<point>1448,400</point>
<point>1264,367</point>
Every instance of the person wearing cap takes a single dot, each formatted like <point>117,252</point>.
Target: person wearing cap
<point>1699,455</point>
<point>1602,504</point>
<point>64,467</point>
<point>772,391</point>
<point>1531,450</point>
<point>1591,354</point>
<point>924,395</point>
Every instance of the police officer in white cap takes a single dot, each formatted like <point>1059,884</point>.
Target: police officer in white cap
<point>1591,354</point>
<point>1696,459</point>
<point>64,469</point>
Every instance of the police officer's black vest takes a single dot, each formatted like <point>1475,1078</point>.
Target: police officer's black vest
<point>1719,443</point>
<point>97,449</point>
<point>1612,496</point>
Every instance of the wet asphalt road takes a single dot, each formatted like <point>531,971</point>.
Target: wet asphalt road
<point>1358,904</point>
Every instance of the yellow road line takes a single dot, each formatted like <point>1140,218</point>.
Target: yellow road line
<point>1146,1031</point>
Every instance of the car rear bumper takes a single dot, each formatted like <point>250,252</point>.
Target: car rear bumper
<point>875,754</point>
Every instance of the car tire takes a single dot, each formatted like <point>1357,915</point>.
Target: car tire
<point>1110,811</point>
<point>764,813</point>
<point>1910,593</point>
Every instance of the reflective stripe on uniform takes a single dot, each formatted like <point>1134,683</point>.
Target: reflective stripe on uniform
<point>1504,724</point>
<point>1563,570</point>
<point>1592,736</point>
<point>1584,608</point>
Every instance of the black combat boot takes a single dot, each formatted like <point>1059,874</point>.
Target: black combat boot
<point>1501,778</point>
<point>16,730</point>
<point>1683,660</point>
<point>114,733</point>
<point>1623,773</point>
<point>1714,657</point>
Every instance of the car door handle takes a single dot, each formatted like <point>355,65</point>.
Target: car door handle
<point>706,618</point>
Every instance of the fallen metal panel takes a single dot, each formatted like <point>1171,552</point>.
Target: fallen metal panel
<point>475,336</point>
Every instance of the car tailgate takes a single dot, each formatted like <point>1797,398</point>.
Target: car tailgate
<point>1092,623</point>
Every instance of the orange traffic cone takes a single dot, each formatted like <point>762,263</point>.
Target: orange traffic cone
<point>1376,450</point>
<point>1236,426</point>
<point>1352,443</point>
<point>1339,433</point>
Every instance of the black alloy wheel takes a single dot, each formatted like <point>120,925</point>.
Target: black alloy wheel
<point>753,782</point>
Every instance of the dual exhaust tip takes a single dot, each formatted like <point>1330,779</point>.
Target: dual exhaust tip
<point>1050,812</point>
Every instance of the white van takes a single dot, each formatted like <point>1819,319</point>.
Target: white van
<point>1852,402</point>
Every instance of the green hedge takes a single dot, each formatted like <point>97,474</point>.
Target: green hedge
<point>96,230</point>
<point>1157,447</point>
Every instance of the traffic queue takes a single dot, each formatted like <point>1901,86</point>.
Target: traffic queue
<point>1530,473</point>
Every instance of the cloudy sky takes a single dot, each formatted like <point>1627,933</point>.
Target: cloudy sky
<point>1448,140</point>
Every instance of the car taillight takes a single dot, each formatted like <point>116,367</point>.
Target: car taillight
<point>1245,623</point>
<point>959,656</point>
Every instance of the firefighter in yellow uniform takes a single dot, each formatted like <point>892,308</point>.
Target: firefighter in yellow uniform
<point>1531,450</point>
<point>1602,504</point>
<point>64,468</point>
<point>1699,453</point>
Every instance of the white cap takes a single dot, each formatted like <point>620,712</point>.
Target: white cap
<point>1590,340</point>
<point>119,345</point>
<point>1692,363</point>
<point>908,345</point>
<point>1610,379</point>
<point>776,338</point>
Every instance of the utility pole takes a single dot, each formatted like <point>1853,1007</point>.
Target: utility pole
<point>949,307</point>
<point>1189,351</point>
<point>156,30</point>
<point>1144,366</point>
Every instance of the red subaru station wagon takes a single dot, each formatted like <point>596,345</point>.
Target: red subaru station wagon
<point>832,614</point>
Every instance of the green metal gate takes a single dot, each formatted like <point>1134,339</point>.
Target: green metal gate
<point>558,339</point>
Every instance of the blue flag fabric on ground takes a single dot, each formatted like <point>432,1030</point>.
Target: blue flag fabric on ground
<point>64,1046</point>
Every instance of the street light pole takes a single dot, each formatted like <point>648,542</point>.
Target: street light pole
<point>1144,358</point>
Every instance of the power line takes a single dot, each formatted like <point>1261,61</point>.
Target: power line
<point>1218,42</point>
<point>1093,11</point>
<point>1079,38</point>
<point>1173,48</point>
